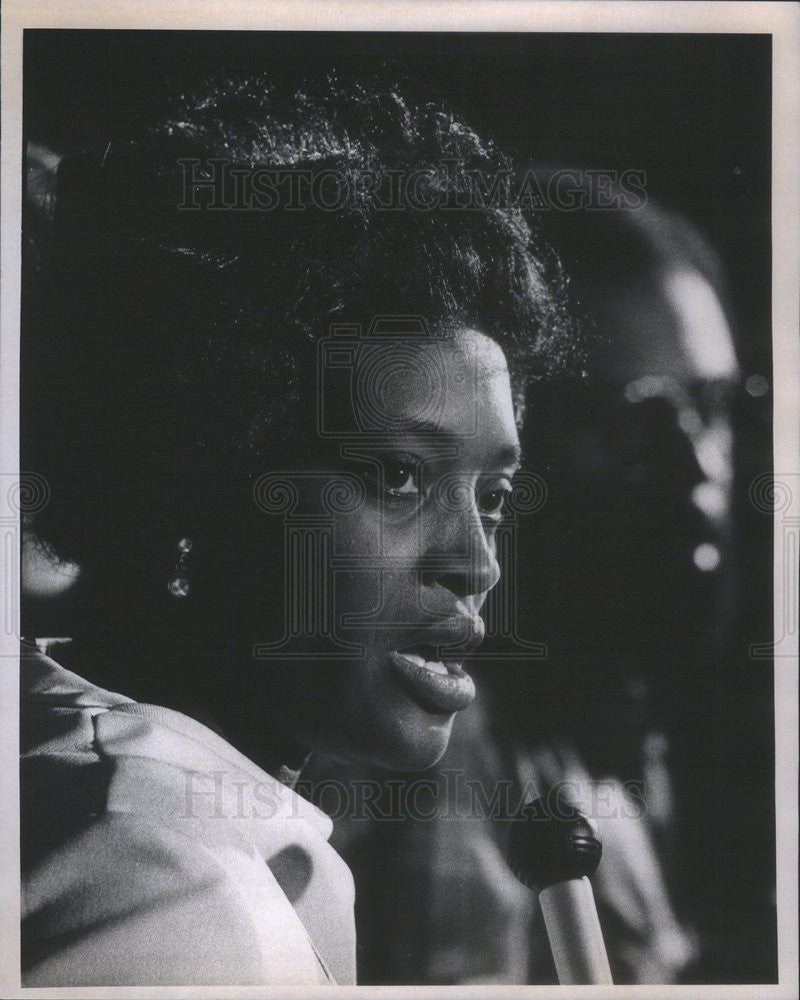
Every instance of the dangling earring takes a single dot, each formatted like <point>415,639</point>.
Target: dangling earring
<point>178,584</point>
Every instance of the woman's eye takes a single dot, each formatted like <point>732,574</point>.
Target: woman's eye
<point>491,500</point>
<point>401,477</point>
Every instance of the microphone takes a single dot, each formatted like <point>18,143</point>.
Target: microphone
<point>554,853</point>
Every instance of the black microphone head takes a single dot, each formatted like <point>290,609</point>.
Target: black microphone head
<point>552,843</point>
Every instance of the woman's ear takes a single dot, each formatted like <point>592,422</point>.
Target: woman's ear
<point>41,173</point>
<point>43,574</point>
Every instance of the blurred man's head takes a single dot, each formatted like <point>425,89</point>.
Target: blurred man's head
<point>639,461</point>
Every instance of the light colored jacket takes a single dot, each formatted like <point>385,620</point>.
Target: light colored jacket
<point>154,853</point>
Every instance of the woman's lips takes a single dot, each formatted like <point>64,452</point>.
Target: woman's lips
<point>437,686</point>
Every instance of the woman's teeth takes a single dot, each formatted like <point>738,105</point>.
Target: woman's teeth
<point>434,665</point>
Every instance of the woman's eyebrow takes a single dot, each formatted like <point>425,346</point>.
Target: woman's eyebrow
<point>510,456</point>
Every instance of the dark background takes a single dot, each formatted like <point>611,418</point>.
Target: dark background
<point>691,111</point>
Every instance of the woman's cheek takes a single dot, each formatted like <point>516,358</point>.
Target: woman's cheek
<point>359,533</point>
<point>392,537</point>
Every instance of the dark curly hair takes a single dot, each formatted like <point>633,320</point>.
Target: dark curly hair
<point>166,347</point>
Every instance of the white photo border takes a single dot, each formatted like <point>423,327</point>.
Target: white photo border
<point>780,20</point>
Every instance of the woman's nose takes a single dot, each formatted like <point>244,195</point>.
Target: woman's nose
<point>464,551</point>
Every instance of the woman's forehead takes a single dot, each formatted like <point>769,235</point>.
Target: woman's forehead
<point>454,387</point>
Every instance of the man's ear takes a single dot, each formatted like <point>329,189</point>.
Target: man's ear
<point>41,175</point>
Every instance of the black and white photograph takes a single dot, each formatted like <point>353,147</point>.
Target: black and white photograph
<point>400,499</point>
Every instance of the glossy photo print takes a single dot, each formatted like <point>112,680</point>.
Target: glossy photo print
<point>396,511</point>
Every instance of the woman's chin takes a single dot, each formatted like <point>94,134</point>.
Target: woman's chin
<point>412,744</point>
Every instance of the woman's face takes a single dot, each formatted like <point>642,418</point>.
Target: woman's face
<point>390,557</point>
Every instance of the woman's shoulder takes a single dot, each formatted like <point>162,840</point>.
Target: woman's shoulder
<point>129,901</point>
<point>154,853</point>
